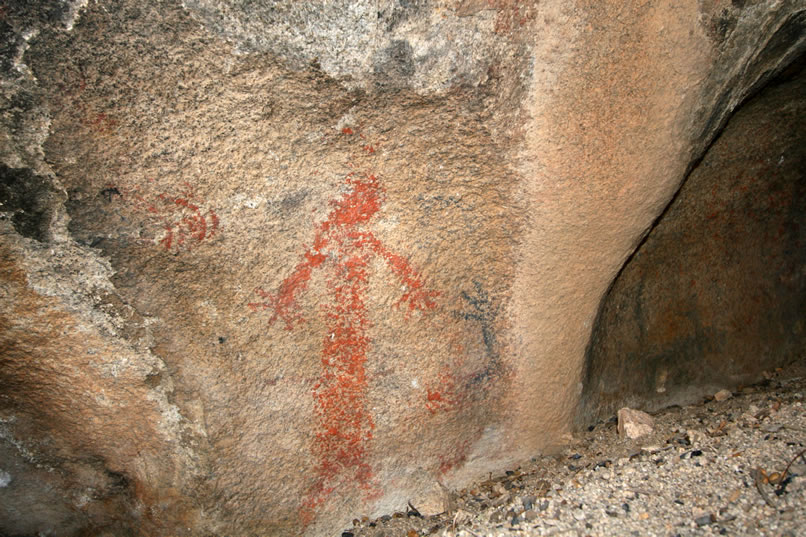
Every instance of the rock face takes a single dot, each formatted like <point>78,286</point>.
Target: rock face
<point>271,266</point>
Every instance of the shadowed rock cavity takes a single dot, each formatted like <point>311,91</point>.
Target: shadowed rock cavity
<point>271,266</point>
<point>716,293</point>
<point>24,199</point>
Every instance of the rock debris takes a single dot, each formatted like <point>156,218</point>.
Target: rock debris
<point>735,466</point>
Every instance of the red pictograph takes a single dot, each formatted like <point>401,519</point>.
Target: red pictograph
<point>175,222</point>
<point>190,223</point>
<point>344,246</point>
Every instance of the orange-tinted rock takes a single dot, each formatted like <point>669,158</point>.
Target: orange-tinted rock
<point>265,285</point>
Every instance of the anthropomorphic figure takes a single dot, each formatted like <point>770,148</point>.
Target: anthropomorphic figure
<point>344,247</point>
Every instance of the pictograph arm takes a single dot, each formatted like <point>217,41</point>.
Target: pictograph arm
<point>284,302</point>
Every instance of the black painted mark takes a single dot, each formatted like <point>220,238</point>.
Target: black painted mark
<point>482,310</point>
<point>109,193</point>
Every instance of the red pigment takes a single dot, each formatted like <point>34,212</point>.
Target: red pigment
<point>345,424</point>
<point>454,457</point>
<point>181,220</point>
<point>190,224</point>
<point>445,397</point>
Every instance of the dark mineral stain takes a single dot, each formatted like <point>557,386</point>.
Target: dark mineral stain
<point>23,198</point>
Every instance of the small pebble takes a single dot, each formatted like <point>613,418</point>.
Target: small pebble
<point>704,520</point>
<point>723,395</point>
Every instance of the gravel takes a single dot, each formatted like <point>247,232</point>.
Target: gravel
<point>734,466</point>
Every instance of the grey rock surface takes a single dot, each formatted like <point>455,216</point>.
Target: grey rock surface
<point>424,45</point>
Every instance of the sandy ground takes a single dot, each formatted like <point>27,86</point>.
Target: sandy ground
<point>730,467</point>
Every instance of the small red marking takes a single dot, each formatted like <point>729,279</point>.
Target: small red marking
<point>100,122</point>
<point>434,396</point>
<point>185,203</point>
<point>214,222</point>
<point>168,239</point>
<point>451,460</point>
<point>445,396</point>
<point>347,130</point>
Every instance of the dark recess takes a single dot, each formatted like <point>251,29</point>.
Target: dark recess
<point>23,199</point>
<point>594,404</point>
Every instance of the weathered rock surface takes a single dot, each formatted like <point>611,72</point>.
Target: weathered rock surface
<point>268,267</point>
